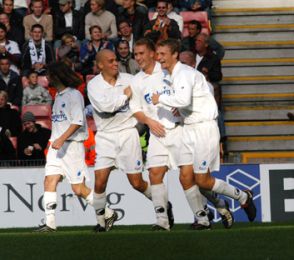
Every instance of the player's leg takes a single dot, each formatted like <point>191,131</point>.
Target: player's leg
<point>99,197</point>
<point>159,198</point>
<point>194,197</point>
<point>139,184</point>
<point>50,203</point>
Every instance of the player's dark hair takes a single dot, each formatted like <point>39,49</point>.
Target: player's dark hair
<point>173,44</point>
<point>146,42</point>
<point>60,73</point>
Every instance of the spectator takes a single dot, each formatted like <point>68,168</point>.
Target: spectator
<point>110,5</point>
<point>10,82</point>
<point>14,33</point>
<point>21,7</point>
<point>125,32</point>
<point>9,118</point>
<point>125,61</point>
<point>206,61</point>
<point>171,14</point>
<point>89,49</point>
<point>188,43</point>
<point>14,18</point>
<point>68,20</point>
<point>34,94</point>
<point>99,16</point>
<point>7,151</point>
<point>33,140</point>
<point>38,17</point>
<point>136,15</point>
<point>194,5</point>
<point>70,48</point>
<point>9,49</point>
<point>36,54</point>
<point>163,27</point>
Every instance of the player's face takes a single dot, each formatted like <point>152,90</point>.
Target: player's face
<point>108,64</point>
<point>166,58</point>
<point>144,57</point>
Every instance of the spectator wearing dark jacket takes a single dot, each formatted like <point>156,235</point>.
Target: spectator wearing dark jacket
<point>33,140</point>
<point>9,118</point>
<point>136,15</point>
<point>68,20</point>
<point>10,82</point>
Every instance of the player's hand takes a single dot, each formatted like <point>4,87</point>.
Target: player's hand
<point>128,92</point>
<point>155,98</point>
<point>57,143</point>
<point>175,112</point>
<point>156,128</point>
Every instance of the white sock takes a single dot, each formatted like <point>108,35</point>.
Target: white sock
<point>211,196</point>
<point>221,187</point>
<point>50,203</point>
<point>90,198</point>
<point>159,199</point>
<point>99,203</point>
<point>147,192</point>
<point>195,201</point>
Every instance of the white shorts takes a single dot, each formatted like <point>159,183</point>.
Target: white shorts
<point>168,151</point>
<point>68,161</point>
<point>202,139</point>
<point>119,149</point>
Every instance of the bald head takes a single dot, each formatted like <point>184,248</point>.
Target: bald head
<point>107,62</point>
<point>188,58</point>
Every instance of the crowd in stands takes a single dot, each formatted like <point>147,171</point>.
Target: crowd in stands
<point>34,33</point>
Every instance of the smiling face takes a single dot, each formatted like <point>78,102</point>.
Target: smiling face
<point>144,57</point>
<point>166,58</point>
<point>123,49</point>
<point>107,63</point>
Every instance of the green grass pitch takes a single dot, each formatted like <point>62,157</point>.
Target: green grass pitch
<point>243,241</point>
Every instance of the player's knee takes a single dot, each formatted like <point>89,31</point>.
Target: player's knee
<point>202,182</point>
<point>100,186</point>
<point>137,184</point>
<point>77,190</point>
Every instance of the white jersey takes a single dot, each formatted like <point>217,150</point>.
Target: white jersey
<point>110,106</point>
<point>192,95</point>
<point>68,109</point>
<point>143,86</point>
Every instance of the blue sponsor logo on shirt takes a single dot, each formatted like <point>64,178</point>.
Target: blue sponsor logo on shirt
<point>59,117</point>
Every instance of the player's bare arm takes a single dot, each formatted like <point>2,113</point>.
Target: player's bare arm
<point>57,144</point>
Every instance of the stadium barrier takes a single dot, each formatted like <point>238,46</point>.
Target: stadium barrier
<point>21,192</point>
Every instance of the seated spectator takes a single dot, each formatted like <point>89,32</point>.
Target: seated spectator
<point>9,49</point>
<point>7,151</point>
<point>171,14</point>
<point>34,94</point>
<point>38,17</point>
<point>70,48</point>
<point>110,5</point>
<point>162,27</point>
<point>33,140</point>
<point>194,5</point>
<point>136,15</point>
<point>99,16</point>
<point>9,118</point>
<point>36,53</point>
<point>14,33</point>
<point>124,57</point>
<point>125,32</point>
<point>68,21</point>
<point>14,18</point>
<point>10,82</point>
<point>89,49</point>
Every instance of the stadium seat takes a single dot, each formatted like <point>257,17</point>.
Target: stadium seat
<point>202,17</point>
<point>40,111</point>
<point>44,123</point>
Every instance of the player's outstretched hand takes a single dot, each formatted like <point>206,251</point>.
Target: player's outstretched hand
<point>155,98</point>
<point>128,92</point>
<point>57,143</point>
<point>156,128</point>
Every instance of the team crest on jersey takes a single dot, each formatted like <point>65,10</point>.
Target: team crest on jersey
<point>63,105</point>
<point>138,165</point>
<point>203,165</point>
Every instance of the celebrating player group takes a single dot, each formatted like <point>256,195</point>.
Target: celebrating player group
<point>176,104</point>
